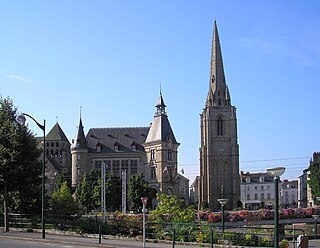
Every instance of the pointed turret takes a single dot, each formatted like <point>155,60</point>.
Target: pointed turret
<point>217,84</point>
<point>79,153</point>
<point>80,141</point>
<point>160,129</point>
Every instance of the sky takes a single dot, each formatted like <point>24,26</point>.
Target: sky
<point>110,57</point>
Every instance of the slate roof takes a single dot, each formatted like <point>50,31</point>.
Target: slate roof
<point>126,138</point>
<point>160,130</point>
<point>80,141</point>
<point>57,134</point>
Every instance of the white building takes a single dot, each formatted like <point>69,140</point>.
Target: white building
<point>289,194</point>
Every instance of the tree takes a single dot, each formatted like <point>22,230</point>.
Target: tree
<point>89,191</point>
<point>63,203</point>
<point>86,189</point>
<point>314,178</point>
<point>20,169</point>
<point>138,187</point>
<point>171,209</point>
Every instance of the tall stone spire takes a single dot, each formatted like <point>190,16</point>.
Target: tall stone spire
<point>219,149</point>
<point>217,83</point>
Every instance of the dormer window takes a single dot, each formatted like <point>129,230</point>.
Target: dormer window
<point>134,146</point>
<point>98,147</point>
<point>261,179</point>
<point>116,146</point>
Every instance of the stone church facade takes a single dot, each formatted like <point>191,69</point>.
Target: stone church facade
<point>219,149</point>
<point>151,151</point>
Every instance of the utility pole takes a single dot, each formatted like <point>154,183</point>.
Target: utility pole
<point>103,191</point>
<point>124,191</point>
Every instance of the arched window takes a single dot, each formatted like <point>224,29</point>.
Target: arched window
<point>219,126</point>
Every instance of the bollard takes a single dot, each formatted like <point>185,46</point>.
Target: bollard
<point>99,233</point>
<point>211,240</point>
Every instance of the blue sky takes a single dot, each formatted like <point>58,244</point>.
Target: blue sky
<point>110,56</point>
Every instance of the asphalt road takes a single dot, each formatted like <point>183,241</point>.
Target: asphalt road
<point>16,239</point>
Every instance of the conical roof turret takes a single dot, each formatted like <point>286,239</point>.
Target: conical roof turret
<point>160,129</point>
<point>80,141</point>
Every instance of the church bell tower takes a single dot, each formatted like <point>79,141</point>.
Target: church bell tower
<point>219,149</point>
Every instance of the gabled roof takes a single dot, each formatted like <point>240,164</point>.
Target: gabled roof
<point>128,139</point>
<point>57,134</point>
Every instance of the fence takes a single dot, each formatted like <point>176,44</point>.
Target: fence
<point>172,233</point>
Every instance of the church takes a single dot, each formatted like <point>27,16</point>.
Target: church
<point>219,149</point>
<point>153,150</point>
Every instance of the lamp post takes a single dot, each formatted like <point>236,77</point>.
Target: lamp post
<point>222,202</point>
<point>21,119</point>
<point>315,216</point>
<point>276,172</point>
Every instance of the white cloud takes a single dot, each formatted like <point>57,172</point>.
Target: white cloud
<point>18,78</point>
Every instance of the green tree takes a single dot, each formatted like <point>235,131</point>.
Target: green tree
<point>138,187</point>
<point>171,209</point>
<point>89,191</point>
<point>86,189</point>
<point>20,170</point>
<point>314,178</point>
<point>63,203</point>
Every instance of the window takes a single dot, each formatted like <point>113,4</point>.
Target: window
<point>169,155</point>
<point>248,196</point>
<point>219,126</point>
<point>116,147</point>
<point>108,166</point>
<point>125,165</point>
<point>153,172</point>
<point>262,187</point>
<point>256,196</point>
<point>97,164</point>
<point>182,190</point>
<point>268,186</point>
<point>133,167</point>
<point>57,144</point>
<point>268,196</point>
<point>116,167</point>
<point>262,196</point>
<point>248,188</point>
<point>255,187</point>
<point>153,154</point>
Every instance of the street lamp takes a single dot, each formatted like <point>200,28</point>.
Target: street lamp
<point>222,202</point>
<point>276,173</point>
<point>315,216</point>
<point>21,119</point>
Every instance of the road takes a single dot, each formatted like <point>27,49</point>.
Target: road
<point>24,239</point>
<point>33,240</point>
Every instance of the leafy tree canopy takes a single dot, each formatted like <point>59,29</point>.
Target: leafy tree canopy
<point>63,203</point>
<point>20,169</point>
<point>138,187</point>
<point>171,209</point>
<point>314,178</point>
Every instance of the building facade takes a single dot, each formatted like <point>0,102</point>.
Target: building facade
<point>257,190</point>
<point>219,149</point>
<point>151,151</point>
